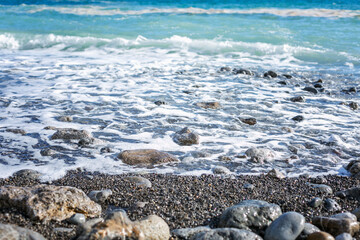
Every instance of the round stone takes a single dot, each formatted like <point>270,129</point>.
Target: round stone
<point>286,227</point>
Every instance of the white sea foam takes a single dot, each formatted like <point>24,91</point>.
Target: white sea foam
<point>112,93</point>
<point>314,12</point>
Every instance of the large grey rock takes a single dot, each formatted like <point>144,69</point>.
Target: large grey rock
<point>260,155</point>
<point>226,234</point>
<point>347,215</point>
<point>146,157</point>
<point>286,227</point>
<point>253,215</point>
<point>70,133</point>
<point>12,232</point>
<point>186,137</point>
<point>187,233</point>
<point>48,202</point>
<point>118,226</point>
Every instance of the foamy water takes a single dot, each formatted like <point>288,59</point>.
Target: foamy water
<point>108,74</point>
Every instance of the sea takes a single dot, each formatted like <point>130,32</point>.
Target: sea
<point>132,72</point>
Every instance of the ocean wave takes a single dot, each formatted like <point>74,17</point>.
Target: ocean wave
<point>253,50</point>
<point>314,12</point>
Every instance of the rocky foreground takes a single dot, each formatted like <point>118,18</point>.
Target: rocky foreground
<point>85,205</point>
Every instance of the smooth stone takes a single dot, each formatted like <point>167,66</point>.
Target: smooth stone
<point>100,196</point>
<point>288,76</point>
<point>77,219</point>
<point>320,236</point>
<point>286,227</point>
<point>250,215</point>
<point>249,186</point>
<point>186,137</point>
<point>105,150</point>
<point>65,119</point>
<point>28,174</point>
<point>209,105</point>
<point>146,156</point>
<point>336,226</point>
<point>347,215</point>
<point>322,188</point>
<point>242,71</point>
<point>249,121</point>
<point>271,74</point>
<point>352,193</point>
<point>260,155</point>
<point>70,133</point>
<point>298,99</point>
<point>48,202</point>
<point>315,202</point>
<point>298,118</point>
<point>221,170</point>
<point>308,229</point>
<point>331,205</point>
<point>356,212</point>
<point>159,103</point>
<point>275,173</point>
<point>354,105</point>
<point>188,233</point>
<point>344,236</point>
<point>282,82</point>
<point>311,89</point>
<point>13,232</point>
<point>16,131</point>
<point>138,205</point>
<point>47,152</point>
<point>139,181</point>
<point>226,234</point>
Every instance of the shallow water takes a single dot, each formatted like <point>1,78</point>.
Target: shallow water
<point>106,63</point>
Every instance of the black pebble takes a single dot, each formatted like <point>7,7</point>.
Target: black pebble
<point>310,89</point>
<point>298,118</point>
<point>270,74</point>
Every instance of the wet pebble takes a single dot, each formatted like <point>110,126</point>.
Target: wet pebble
<point>271,74</point>
<point>249,121</point>
<point>344,236</point>
<point>159,103</point>
<point>288,226</point>
<point>275,173</point>
<point>298,99</point>
<point>105,150</point>
<point>65,119</point>
<point>100,196</point>
<point>16,131</point>
<point>47,152</point>
<point>77,219</point>
<point>315,202</point>
<point>311,89</point>
<point>298,118</point>
<point>221,170</point>
<point>320,236</point>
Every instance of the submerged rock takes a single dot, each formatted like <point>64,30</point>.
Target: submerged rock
<point>48,202</point>
<point>47,152</point>
<point>70,133</point>
<point>260,155</point>
<point>211,105</point>
<point>249,121</point>
<point>298,118</point>
<point>354,105</point>
<point>118,226</point>
<point>65,119</point>
<point>275,173</point>
<point>146,156</point>
<point>252,215</point>
<point>159,103</point>
<point>186,137</point>
<point>271,74</point>
<point>28,174</point>
<point>16,131</point>
<point>311,89</point>
<point>298,99</point>
<point>242,71</point>
<point>12,232</point>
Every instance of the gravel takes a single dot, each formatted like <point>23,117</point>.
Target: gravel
<point>187,201</point>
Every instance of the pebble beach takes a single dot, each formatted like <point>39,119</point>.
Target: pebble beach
<point>186,201</point>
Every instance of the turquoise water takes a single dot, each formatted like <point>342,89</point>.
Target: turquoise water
<point>105,63</point>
